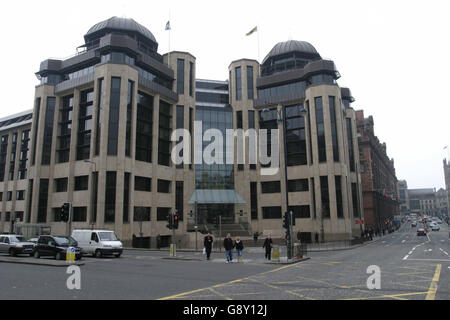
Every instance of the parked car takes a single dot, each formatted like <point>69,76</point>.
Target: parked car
<point>15,244</point>
<point>421,232</point>
<point>98,242</point>
<point>414,224</point>
<point>435,227</point>
<point>56,246</point>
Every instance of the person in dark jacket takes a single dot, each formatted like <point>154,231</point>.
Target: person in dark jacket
<point>268,246</point>
<point>255,238</point>
<point>208,245</point>
<point>239,247</point>
<point>228,245</point>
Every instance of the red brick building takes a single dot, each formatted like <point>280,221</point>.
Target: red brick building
<point>378,179</point>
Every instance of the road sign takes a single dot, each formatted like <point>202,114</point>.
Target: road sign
<point>70,255</point>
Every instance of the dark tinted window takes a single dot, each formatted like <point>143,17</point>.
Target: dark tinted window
<point>298,185</point>
<point>271,212</point>
<point>81,183</point>
<point>271,187</point>
<point>163,186</point>
<point>114,111</point>
<point>142,184</point>
<point>180,76</point>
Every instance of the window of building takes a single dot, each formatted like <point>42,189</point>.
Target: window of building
<point>1,196</point>
<point>271,187</point>
<point>299,185</point>
<point>239,120</point>
<point>251,119</point>
<point>7,216</point>
<point>60,184</point>
<point>142,184</point>
<point>334,134</point>
<point>271,212</point>
<point>20,195</point>
<point>126,197</point>
<point>85,124</point>
<point>180,76</point>
<point>309,134</point>
<point>238,83</point>
<point>180,125</point>
<point>114,111</point>
<point>79,214</point>
<point>43,199</point>
<point>48,131</point>
<point>24,155</point>
<point>340,209</point>
<point>162,213</point>
<point>324,193</point>
<point>320,130</point>
<point>144,127</point>
<point>130,93</point>
<point>268,120</point>
<point>355,200</point>
<point>165,131</point>
<point>100,88</point>
<point>110,196</point>
<point>9,195</point>
<point>351,151</point>
<point>37,109</point>
<point>191,79</point>
<point>313,189</point>
<point>3,154</point>
<point>12,159</point>
<point>295,136</point>
<point>81,183</point>
<point>65,129</point>
<point>300,212</point>
<point>142,214</point>
<point>18,215</point>
<point>179,199</point>
<point>250,94</point>
<point>163,186</point>
<point>254,200</point>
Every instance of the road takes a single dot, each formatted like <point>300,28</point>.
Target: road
<point>411,266</point>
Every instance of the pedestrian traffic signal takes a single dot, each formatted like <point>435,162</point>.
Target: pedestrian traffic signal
<point>64,214</point>
<point>175,221</point>
<point>170,221</point>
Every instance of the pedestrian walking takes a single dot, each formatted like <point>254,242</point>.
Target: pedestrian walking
<point>268,244</point>
<point>208,242</point>
<point>158,241</point>
<point>239,247</point>
<point>228,245</point>
<point>255,238</point>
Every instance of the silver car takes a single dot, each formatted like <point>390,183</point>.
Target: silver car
<point>15,244</point>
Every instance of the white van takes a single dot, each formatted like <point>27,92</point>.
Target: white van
<point>98,242</point>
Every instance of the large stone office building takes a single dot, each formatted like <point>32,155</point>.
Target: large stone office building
<point>101,139</point>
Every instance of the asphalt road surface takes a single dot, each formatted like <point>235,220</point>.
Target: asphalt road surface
<point>411,267</point>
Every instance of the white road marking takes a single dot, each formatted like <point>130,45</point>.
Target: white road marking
<point>403,241</point>
<point>410,252</point>
<point>406,257</point>
<point>429,260</point>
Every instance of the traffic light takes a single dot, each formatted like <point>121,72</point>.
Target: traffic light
<point>286,220</point>
<point>64,215</point>
<point>170,221</point>
<point>175,221</point>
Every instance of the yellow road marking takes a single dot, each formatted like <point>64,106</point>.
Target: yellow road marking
<point>393,296</point>
<point>431,295</point>
<point>219,294</point>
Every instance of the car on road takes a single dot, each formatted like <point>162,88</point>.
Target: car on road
<point>56,246</point>
<point>414,224</point>
<point>98,242</point>
<point>421,232</point>
<point>15,244</point>
<point>435,227</point>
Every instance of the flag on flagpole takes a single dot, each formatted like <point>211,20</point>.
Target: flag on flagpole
<point>445,147</point>
<point>252,31</point>
<point>168,26</point>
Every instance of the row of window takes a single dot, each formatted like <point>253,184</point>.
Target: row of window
<point>20,195</point>
<point>250,83</point>
<point>23,157</point>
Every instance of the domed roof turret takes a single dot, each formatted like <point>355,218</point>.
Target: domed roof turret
<point>292,46</point>
<point>118,24</point>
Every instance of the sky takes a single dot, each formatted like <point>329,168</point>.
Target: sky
<point>394,55</point>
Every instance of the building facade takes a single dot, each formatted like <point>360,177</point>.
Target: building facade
<point>446,166</point>
<point>101,139</point>
<point>379,182</point>
<point>403,196</point>
<point>422,201</point>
